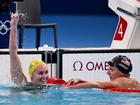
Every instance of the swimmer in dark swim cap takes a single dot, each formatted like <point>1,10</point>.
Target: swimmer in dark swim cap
<point>122,63</point>
<point>119,73</point>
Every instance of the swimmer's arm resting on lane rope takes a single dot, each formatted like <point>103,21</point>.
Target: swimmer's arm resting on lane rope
<point>79,83</point>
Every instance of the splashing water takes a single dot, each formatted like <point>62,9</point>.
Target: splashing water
<point>23,17</point>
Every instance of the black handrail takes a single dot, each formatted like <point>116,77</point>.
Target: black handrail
<point>38,28</point>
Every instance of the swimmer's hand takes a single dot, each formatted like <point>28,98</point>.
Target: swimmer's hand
<point>14,20</point>
<point>74,81</point>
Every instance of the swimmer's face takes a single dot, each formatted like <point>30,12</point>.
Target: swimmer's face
<point>40,75</point>
<point>113,73</point>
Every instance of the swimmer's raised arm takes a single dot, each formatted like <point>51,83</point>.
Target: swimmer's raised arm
<point>15,64</point>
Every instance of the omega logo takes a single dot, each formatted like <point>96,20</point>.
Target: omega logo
<point>89,66</point>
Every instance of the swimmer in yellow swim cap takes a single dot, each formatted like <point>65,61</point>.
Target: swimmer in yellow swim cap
<point>38,70</point>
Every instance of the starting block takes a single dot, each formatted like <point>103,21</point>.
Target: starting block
<point>127,34</point>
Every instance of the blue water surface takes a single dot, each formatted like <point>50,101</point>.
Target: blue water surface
<point>57,96</point>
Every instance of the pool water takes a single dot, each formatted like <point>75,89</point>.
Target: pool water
<point>55,95</point>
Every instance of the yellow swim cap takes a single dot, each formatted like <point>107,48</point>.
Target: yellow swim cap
<point>33,65</point>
